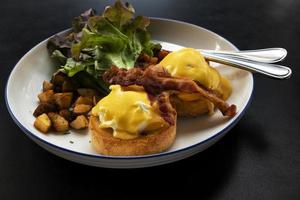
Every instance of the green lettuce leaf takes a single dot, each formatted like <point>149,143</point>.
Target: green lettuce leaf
<point>79,22</point>
<point>119,14</point>
<point>115,38</point>
<point>59,56</point>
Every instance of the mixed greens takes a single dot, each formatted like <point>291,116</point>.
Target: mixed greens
<point>97,42</point>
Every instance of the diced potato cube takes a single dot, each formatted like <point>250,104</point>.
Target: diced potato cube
<point>80,122</point>
<point>65,113</point>
<point>46,97</point>
<point>47,86</point>
<point>42,123</point>
<point>82,109</point>
<point>63,100</point>
<point>44,108</point>
<point>59,78</point>
<point>59,123</point>
<point>84,100</point>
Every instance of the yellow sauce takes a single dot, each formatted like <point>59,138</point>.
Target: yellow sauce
<point>189,63</point>
<point>128,113</point>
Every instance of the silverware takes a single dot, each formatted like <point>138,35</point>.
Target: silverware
<point>271,70</point>
<point>269,55</point>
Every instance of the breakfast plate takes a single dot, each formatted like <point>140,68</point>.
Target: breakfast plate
<point>193,134</point>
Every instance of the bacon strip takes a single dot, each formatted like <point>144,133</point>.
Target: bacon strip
<point>155,79</point>
<point>168,113</point>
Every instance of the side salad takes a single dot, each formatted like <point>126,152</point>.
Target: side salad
<point>97,42</point>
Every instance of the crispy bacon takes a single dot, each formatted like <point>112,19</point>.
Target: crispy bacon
<point>168,113</point>
<point>155,79</point>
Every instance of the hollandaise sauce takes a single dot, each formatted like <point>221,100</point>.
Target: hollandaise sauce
<point>127,113</point>
<point>189,63</point>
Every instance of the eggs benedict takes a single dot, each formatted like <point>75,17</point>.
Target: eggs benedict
<point>189,63</point>
<point>127,123</point>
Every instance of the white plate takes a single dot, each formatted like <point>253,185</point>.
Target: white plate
<point>193,135</point>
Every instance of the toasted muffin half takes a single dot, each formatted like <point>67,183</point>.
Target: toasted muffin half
<point>104,142</point>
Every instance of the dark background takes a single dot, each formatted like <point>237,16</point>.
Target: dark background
<point>258,159</point>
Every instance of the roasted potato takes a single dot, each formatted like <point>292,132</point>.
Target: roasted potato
<point>59,123</point>
<point>96,99</point>
<point>80,122</point>
<point>46,97</point>
<point>59,78</point>
<point>81,109</point>
<point>86,92</point>
<point>42,123</point>
<point>68,115</point>
<point>63,100</point>
<point>84,100</point>
<point>47,86</point>
<point>57,89</point>
<point>44,108</point>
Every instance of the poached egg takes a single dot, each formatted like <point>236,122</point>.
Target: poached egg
<point>190,63</point>
<point>128,113</point>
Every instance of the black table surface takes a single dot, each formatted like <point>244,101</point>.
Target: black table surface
<point>258,159</point>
